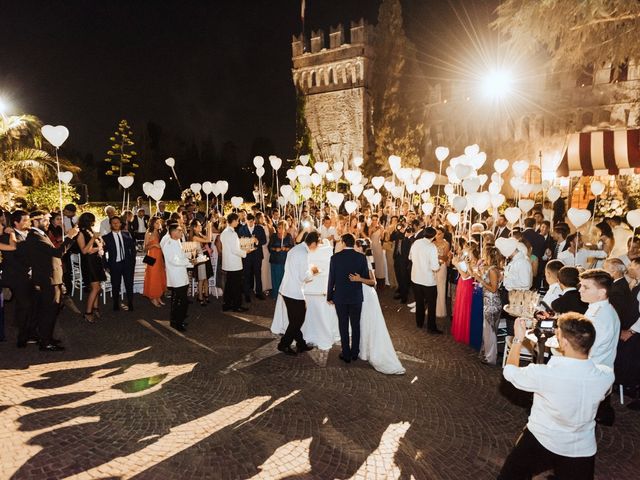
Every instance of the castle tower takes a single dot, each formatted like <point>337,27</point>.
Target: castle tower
<point>335,79</point>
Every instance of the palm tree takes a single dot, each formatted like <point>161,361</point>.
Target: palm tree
<point>23,161</point>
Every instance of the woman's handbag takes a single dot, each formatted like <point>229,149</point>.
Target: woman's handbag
<point>149,260</point>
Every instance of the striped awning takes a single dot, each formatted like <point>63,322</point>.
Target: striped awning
<point>601,152</point>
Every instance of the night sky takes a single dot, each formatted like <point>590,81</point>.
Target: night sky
<point>217,69</point>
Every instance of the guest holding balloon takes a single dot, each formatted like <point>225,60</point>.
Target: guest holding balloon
<point>155,277</point>
<point>279,245</point>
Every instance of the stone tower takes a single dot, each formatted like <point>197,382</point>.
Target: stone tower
<point>335,80</point>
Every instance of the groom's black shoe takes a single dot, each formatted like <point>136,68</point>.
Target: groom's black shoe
<point>344,359</point>
<point>287,350</point>
<point>435,331</point>
<point>304,348</point>
<point>354,358</point>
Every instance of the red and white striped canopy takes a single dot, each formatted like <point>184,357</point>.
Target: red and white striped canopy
<point>608,151</point>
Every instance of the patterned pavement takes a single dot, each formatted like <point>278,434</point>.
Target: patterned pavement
<point>132,398</point>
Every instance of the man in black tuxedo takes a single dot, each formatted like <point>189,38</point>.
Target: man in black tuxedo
<point>252,263</point>
<point>569,301</point>
<point>560,234</point>
<point>537,246</point>
<point>627,362</point>
<point>346,294</point>
<point>162,212</point>
<point>140,224</point>
<point>502,231</point>
<point>44,260</point>
<point>401,239</point>
<point>120,252</point>
<point>625,304</point>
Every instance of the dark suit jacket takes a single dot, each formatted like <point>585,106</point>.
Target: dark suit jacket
<point>537,242</point>
<point>135,222</point>
<point>111,251</point>
<point>569,302</point>
<point>38,253</point>
<point>405,245</point>
<point>625,303</point>
<point>505,233</point>
<point>258,232</point>
<point>166,215</point>
<point>340,289</point>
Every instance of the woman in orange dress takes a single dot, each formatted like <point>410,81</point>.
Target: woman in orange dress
<point>155,277</point>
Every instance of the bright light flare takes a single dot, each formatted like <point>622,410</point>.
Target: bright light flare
<point>4,105</point>
<point>497,84</point>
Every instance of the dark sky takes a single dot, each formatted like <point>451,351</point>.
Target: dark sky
<point>200,68</point>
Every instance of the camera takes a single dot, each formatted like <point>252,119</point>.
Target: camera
<point>306,224</point>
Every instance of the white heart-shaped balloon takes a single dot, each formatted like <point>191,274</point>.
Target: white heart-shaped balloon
<point>368,193</point>
<point>304,159</point>
<point>442,153</point>
<point>506,246</point>
<point>526,204</point>
<point>483,179</point>
<point>411,188</point>
<point>578,216</point>
<point>459,203</point>
<point>276,162</point>
<point>512,214</point>
<point>146,188</point>
<point>597,187</point>
<point>516,182</point>
<point>501,165</point>
<point>520,168</point>
<point>376,198</point>
<point>304,180</point>
<point>293,198</point>
<point>389,186</point>
<point>292,175</point>
<point>471,150</point>
<point>481,201</point>
<point>207,187</point>
<point>497,200</point>
<point>258,161</point>
<point>170,162</point>
<point>195,187</point>
<point>377,182</point>
<point>358,161</point>
<point>306,193</point>
<point>215,189</point>
<point>260,171</point>
<point>554,193</point>
<point>448,189</point>
<point>471,185</point>
<point>463,171</point>
<point>159,184</point>
<point>316,179</point>
<point>427,179</point>
<point>236,201</point>
<point>494,188</point>
<point>497,179</point>
<point>633,217</point>
<point>453,218</point>
<point>125,181</point>
<point>394,163</point>
<point>338,166</point>
<point>56,136</point>
<point>427,208</point>
<point>350,206</point>
<point>353,176</point>
<point>396,192</point>
<point>478,160</point>
<point>526,189</point>
<point>156,192</point>
<point>223,186</point>
<point>321,168</point>
<point>282,201</point>
<point>356,190</point>
<point>65,177</point>
<point>336,198</point>
<point>425,196</point>
<point>286,190</point>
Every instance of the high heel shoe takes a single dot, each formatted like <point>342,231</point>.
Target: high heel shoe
<point>88,317</point>
<point>206,299</point>
<point>202,302</point>
<point>96,314</point>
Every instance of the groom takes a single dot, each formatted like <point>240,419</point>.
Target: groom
<point>347,295</point>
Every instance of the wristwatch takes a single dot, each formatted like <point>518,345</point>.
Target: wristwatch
<point>515,340</point>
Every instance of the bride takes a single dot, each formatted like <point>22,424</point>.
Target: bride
<point>375,343</point>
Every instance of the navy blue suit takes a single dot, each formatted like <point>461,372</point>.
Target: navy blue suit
<point>252,263</point>
<point>122,270</point>
<point>347,297</point>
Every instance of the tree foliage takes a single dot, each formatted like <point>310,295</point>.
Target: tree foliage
<point>47,196</point>
<point>397,129</point>
<point>121,157</point>
<point>573,33</point>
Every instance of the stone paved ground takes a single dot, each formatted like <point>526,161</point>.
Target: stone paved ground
<point>131,398</point>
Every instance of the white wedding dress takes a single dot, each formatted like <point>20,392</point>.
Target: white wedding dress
<point>320,326</point>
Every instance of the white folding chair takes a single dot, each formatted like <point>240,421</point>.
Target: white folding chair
<point>76,275</point>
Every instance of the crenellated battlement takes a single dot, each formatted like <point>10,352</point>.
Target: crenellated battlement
<point>360,33</point>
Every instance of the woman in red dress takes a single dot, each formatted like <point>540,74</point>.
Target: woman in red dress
<point>461,321</point>
<point>155,277</point>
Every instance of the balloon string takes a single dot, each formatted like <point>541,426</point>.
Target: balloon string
<point>59,190</point>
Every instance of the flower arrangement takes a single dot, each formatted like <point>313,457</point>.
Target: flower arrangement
<point>611,206</point>
<point>189,193</point>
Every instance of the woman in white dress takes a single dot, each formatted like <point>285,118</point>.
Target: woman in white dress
<point>376,346</point>
<point>265,269</point>
<point>376,234</point>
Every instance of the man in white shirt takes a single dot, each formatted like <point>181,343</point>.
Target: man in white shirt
<point>176,263</point>
<point>560,432</point>
<point>105,224</point>
<point>232,256</point>
<point>594,290</point>
<point>327,231</point>
<point>518,275</point>
<point>551,274</point>
<point>577,256</point>
<point>69,217</point>
<point>297,272</point>
<point>425,264</point>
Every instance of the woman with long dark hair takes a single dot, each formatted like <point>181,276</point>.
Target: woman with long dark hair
<point>155,276</point>
<point>91,252</point>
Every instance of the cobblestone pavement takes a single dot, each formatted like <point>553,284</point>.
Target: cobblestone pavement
<point>131,398</point>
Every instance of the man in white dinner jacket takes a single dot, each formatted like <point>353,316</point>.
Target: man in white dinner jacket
<point>232,256</point>
<point>176,263</point>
